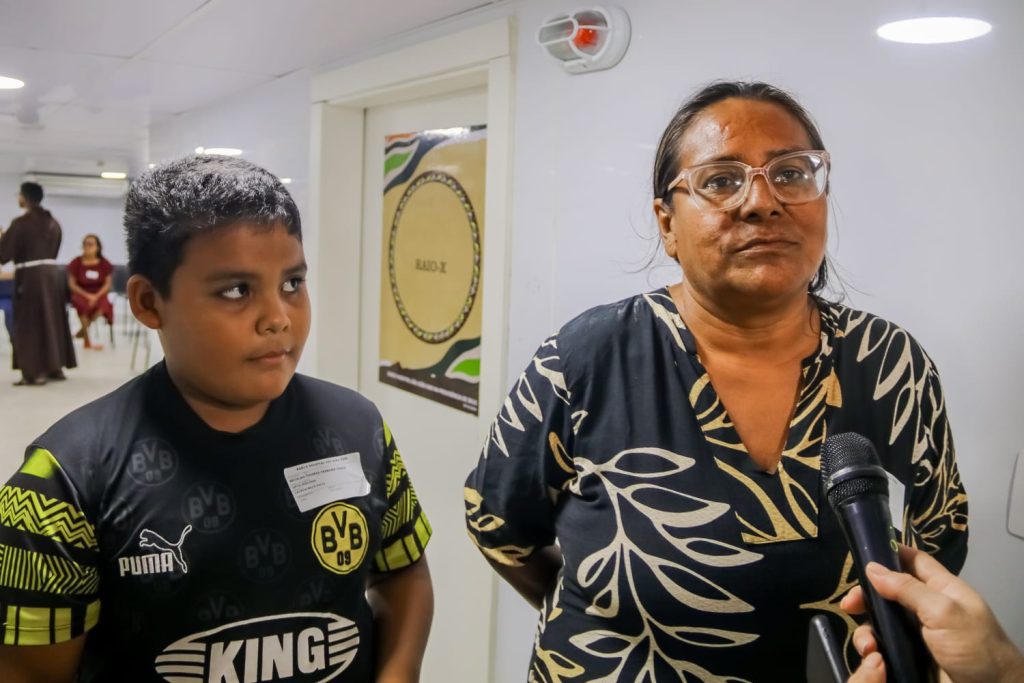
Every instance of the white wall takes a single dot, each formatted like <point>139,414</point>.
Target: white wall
<point>270,124</point>
<point>77,216</point>
<point>926,145</point>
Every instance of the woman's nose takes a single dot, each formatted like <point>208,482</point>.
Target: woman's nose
<point>761,201</point>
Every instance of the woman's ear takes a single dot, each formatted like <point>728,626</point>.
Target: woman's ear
<point>145,301</point>
<point>663,213</point>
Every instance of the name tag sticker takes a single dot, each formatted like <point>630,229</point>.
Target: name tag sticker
<point>317,483</point>
<point>897,493</point>
<point>92,275</point>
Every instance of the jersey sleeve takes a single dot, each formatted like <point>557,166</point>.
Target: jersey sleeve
<point>510,497</point>
<point>405,530</point>
<point>937,505</point>
<point>49,576</point>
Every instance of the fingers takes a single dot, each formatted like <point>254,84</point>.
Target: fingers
<point>853,601</point>
<point>925,567</point>
<point>871,670</point>
<point>930,606</point>
<point>928,569</point>
<point>864,640</point>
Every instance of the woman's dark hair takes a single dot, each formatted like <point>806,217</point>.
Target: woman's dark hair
<point>32,192</point>
<point>666,162</point>
<point>99,244</point>
<point>170,204</point>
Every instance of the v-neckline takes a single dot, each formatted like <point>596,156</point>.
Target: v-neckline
<point>745,462</point>
<point>788,497</point>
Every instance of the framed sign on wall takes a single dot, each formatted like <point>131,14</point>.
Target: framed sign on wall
<point>431,265</point>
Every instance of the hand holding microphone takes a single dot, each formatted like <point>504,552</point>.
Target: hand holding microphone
<point>857,488</point>
<point>957,625</point>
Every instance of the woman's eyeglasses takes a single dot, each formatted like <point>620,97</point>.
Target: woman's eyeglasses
<point>793,178</point>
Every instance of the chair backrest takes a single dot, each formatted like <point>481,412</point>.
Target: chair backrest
<point>119,280</point>
<point>60,277</point>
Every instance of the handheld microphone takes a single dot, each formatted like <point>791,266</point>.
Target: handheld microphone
<point>858,492</point>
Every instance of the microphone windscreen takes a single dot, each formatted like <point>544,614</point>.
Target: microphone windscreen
<point>851,452</point>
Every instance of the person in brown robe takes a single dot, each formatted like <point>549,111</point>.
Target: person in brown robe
<point>42,337</point>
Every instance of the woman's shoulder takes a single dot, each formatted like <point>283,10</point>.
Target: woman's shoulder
<point>74,263</point>
<point>606,319</point>
<point>867,331</point>
<point>590,338</point>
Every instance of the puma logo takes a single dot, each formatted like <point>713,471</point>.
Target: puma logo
<point>151,539</point>
<point>162,562</point>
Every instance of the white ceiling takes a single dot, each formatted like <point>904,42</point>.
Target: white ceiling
<point>98,72</point>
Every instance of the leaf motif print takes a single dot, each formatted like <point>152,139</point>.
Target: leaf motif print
<point>714,599</point>
<point>605,644</point>
<point>593,569</point>
<point>711,637</point>
<point>557,667</point>
<point>639,486</point>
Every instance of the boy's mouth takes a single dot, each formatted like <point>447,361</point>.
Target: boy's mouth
<point>273,355</point>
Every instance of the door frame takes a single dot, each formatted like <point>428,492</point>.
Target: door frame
<point>477,57</point>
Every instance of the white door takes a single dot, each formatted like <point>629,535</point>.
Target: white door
<point>439,444</point>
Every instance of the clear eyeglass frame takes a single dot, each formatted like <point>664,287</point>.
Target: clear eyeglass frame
<point>705,203</point>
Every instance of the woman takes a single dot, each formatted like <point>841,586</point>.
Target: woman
<point>89,279</point>
<point>670,442</point>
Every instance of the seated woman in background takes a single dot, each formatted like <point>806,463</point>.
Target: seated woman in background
<point>89,279</point>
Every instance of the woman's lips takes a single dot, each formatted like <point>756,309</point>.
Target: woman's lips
<point>766,245</point>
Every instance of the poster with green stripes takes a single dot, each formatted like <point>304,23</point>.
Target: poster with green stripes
<point>431,267</point>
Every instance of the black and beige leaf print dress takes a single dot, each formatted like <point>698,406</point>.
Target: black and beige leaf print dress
<point>683,560</point>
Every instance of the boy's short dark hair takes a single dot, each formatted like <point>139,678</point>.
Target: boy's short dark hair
<point>33,192</point>
<point>171,203</point>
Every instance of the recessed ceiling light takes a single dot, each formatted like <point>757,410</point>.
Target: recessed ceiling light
<point>223,151</point>
<point>931,30</point>
<point>152,165</point>
<point>8,83</point>
<point>113,175</point>
<point>286,181</point>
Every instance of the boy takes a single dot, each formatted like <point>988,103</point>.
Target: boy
<point>220,518</point>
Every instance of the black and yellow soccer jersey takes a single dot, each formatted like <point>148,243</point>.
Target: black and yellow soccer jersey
<point>192,555</point>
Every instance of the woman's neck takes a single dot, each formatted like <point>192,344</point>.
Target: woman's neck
<point>782,330</point>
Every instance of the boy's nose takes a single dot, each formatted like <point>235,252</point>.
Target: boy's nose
<point>275,317</point>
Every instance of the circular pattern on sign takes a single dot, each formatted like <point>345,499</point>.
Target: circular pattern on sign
<point>442,335</point>
<point>340,537</point>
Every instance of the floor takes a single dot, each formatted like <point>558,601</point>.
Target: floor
<point>26,412</point>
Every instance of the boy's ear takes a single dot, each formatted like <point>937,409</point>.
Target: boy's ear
<point>144,299</point>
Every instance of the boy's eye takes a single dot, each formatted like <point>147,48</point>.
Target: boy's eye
<point>236,292</point>
<point>293,285</point>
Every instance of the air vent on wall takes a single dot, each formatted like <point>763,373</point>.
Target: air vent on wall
<point>74,185</point>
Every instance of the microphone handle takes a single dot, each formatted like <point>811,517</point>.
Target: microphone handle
<point>896,631</point>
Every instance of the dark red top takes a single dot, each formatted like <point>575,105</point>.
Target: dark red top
<point>91,277</point>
